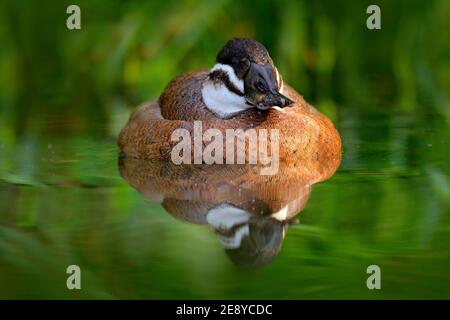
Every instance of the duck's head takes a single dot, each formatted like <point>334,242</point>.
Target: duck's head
<point>243,77</point>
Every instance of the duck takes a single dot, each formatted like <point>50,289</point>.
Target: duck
<point>243,90</point>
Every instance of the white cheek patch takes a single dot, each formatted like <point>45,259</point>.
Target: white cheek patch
<point>225,103</point>
<point>279,81</point>
<point>222,101</point>
<point>239,84</point>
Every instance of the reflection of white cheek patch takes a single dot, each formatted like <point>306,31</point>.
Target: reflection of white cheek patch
<point>234,241</point>
<point>226,216</point>
<point>239,84</point>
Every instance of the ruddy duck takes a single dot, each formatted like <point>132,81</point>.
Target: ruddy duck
<point>243,90</point>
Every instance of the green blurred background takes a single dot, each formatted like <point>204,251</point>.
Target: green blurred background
<point>64,95</point>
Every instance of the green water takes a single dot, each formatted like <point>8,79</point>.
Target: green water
<point>64,95</point>
<point>63,202</point>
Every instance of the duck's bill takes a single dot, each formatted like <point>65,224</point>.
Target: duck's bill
<point>276,101</point>
<point>262,106</point>
<point>282,101</point>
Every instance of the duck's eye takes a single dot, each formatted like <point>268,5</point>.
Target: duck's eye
<point>260,86</point>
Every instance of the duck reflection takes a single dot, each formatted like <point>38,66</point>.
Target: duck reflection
<point>249,212</point>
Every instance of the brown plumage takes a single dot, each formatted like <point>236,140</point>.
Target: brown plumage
<point>304,132</point>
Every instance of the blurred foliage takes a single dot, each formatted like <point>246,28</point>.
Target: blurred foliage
<point>64,95</point>
<point>127,51</point>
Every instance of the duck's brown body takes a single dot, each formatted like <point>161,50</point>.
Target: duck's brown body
<point>182,98</point>
<point>303,131</point>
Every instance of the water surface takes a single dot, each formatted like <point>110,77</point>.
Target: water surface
<point>63,201</point>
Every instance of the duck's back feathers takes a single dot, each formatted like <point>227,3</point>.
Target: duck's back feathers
<point>304,133</point>
<point>182,98</point>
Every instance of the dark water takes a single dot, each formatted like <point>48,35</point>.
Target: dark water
<point>63,202</point>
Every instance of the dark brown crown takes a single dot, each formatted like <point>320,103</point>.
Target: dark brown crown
<point>237,50</point>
